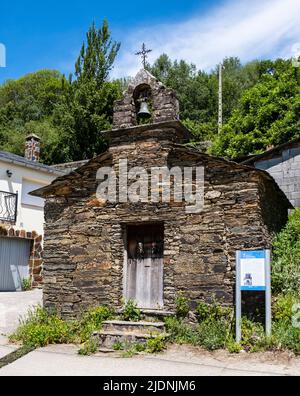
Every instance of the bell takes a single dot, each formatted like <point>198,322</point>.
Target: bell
<point>144,111</point>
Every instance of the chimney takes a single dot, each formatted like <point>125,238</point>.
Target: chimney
<point>32,148</point>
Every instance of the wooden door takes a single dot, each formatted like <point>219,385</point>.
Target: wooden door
<point>144,275</point>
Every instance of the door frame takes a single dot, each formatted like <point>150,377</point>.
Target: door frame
<point>125,257</point>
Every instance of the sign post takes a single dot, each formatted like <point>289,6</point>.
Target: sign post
<point>253,273</point>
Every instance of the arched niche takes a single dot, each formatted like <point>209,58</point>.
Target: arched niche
<point>142,93</point>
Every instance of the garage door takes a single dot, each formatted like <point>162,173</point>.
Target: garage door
<point>14,256</point>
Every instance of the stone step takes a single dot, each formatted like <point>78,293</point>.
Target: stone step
<point>107,339</point>
<point>127,326</point>
<point>127,333</point>
<point>106,350</point>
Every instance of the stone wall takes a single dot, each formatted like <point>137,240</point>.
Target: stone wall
<point>165,106</point>
<point>85,238</point>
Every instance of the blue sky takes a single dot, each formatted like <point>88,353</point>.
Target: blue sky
<point>48,34</point>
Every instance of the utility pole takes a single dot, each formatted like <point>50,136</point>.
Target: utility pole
<point>220,112</point>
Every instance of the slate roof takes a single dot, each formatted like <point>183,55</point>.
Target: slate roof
<point>229,166</point>
<point>276,151</point>
<point>21,161</point>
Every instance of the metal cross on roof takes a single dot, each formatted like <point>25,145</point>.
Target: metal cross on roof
<point>144,54</point>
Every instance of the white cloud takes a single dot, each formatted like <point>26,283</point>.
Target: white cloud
<point>247,29</point>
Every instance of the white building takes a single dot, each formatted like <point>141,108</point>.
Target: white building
<point>22,215</point>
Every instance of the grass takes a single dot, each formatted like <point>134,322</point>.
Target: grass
<point>215,329</point>
<point>40,328</point>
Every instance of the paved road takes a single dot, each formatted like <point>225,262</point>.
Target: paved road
<point>64,360</point>
<point>16,304</point>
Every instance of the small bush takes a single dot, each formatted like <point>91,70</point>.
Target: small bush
<point>182,306</point>
<point>26,284</point>
<point>41,328</point>
<point>233,346</point>
<point>286,257</point>
<point>211,335</point>
<point>213,312</point>
<point>156,344</point>
<point>132,349</point>
<point>118,346</point>
<point>92,321</point>
<point>180,332</point>
<point>253,335</point>
<point>88,348</point>
<point>131,311</point>
<point>285,336</point>
<point>283,307</point>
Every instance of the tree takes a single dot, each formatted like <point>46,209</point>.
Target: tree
<point>197,90</point>
<point>67,115</point>
<point>266,115</point>
<point>89,105</point>
<point>97,57</point>
<point>26,106</point>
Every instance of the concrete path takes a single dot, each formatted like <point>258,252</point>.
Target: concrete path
<point>64,360</point>
<point>16,304</point>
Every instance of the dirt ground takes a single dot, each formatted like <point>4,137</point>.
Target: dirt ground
<point>194,353</point>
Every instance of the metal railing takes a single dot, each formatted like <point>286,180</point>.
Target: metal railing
<point>8,207</point>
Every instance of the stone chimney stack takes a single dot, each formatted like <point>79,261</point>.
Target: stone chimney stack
<point>32,148</point>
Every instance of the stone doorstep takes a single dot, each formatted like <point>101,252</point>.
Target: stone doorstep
<point>107,338</point>
<point>152,313</point>
<point>134,324</point>
<point>157,312</point>
<point>132,327</point>
<point>127,332</point>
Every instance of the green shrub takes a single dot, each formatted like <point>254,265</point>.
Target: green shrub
<point>92,321</point>
<point>253,335</point>
<point>40,328</point>
<point>286,257</point>
<point>213,312</point>
<point>212,335</point>
<point>283,307</point>
<point>132,349</point>
<point>88,348</point>
<point>131,311</point>
<point>202,311</point>
<point>180,332</point>
<point>156,344</point>
<point>140,347</point>
<point>118,346</point>
<point>209,334</point>
<point>285,336</point>
<point>182,306</point>
<point>26,284</point>
<point>153,345</point>
<point>233,346</point>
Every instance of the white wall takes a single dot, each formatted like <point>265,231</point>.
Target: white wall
<point>30,214</point>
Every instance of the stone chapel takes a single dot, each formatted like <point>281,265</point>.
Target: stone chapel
<point>99,252</point>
